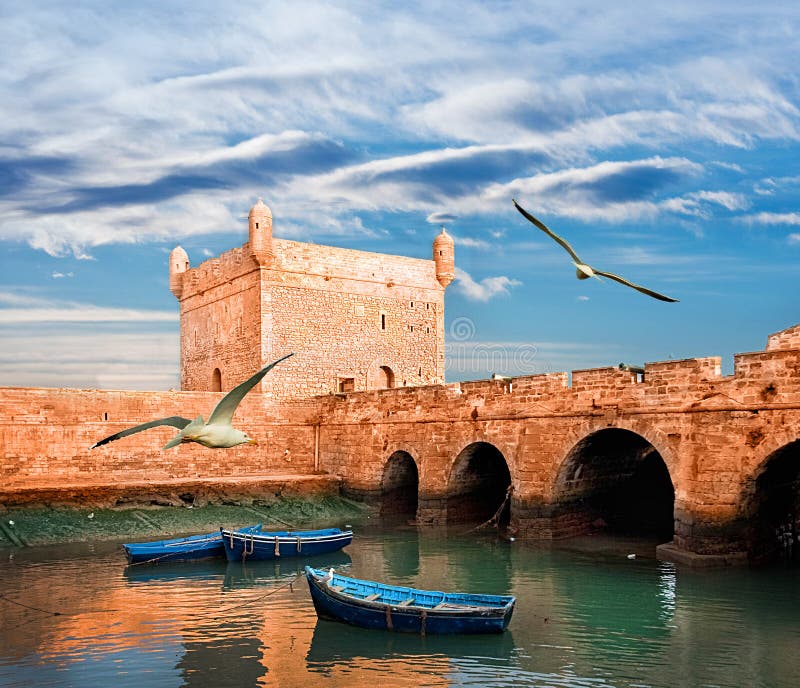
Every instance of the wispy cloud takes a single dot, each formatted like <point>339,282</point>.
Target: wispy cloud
<point>486,289</point>
<point>767,218</point>
<point>18,308</point>
<point>100,357</point>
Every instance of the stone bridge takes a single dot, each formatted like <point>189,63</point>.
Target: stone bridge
<point>707,464</point>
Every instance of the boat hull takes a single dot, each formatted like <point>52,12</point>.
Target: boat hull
<point>191,548</point>
<point>263,546</point>
<point>472,616</point>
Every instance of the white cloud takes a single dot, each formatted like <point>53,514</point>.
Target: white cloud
<point>794,239</point>
<point>486,289</point>
<point>28,309</point>
<point>95,357</point>
<point>471,242</point>
<point>772,218</point>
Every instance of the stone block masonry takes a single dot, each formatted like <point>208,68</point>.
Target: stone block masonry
<point>366,385</point>
<point>356,320</point>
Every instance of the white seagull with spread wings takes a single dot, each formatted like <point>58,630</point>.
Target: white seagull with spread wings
<point>218,433</point>
<point>585,271</point>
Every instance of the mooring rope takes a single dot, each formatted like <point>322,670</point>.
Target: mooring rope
<point>495,519</point>
<point>289,584</point>
<point>54,613</point>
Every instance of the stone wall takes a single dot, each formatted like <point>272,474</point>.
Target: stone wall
<point>355,320</point>
<point>716,435</point>
<point>46,435</point>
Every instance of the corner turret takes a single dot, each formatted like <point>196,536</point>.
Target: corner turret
<point>178,264</point>
<point>260,220</point>
<point>445,258</point>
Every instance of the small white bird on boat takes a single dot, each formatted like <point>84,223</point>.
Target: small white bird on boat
<point>583,270</point>
<point>217,433</point>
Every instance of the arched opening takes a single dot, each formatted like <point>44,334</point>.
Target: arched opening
<point>400,486</point>
<point>216,380</point>
<point>478,485</point>
<point>772,507</point>
<point>385,377</point>
<point>614,480</point>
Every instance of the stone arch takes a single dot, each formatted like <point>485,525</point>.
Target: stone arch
<point>616,479</point>
<point>477,485</point>
<point>380,376</point>
<point>649,432</point>
<point>216,380</point>
<point>400,486</point>
<point>769,504</point>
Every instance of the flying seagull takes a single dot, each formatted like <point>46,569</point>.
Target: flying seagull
<point>218,433</point>
<point>585,271</point>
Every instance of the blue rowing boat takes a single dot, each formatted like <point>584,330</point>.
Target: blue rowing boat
<point>194,547</point>
<point>406,610</point>
<point>260,545</point>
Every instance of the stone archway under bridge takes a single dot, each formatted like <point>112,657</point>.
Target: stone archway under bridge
<point>613,480</point>
<point>478,486</point>
<point>770,507</point>
<point>399,493</point>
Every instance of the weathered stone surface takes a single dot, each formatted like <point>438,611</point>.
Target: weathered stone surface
<point>717,435</point>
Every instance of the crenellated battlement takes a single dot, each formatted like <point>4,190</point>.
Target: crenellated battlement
<point>760,378</point>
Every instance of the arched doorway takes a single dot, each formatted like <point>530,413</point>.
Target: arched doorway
<point>614,480</point>
<point>478,485</point>
<point>400,486</point>
<point>772,507</point>
<point>216,380</point>
<point>381,377</point>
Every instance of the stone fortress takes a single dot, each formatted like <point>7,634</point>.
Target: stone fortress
<point>359,320</point>
<point>705,464</point>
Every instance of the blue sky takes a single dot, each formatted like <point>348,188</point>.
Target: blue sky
<point>661,139</point>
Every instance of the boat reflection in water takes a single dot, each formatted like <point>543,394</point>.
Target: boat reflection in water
<point>207,570</point>
<point>338,647</point>
<point>252,574</point>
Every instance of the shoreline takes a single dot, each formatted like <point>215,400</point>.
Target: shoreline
<point>31,526</point>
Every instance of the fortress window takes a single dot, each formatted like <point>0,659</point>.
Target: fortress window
<point>383,321</point>
<point>427,306</point>
<point>427,330</point>
<point>216,380</point>
<point>346,384</point>
<point>256,225</point>
<point>412,304</point>
<point>105,416</point>
<point>412,328</point>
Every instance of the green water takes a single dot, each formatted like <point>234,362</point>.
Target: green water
<point>586,615</point>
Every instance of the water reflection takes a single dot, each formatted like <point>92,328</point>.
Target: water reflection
<point>583,617</point>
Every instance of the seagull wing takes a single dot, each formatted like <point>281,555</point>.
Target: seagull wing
<point>174,421</point>
<point>644,290</point>
<point>224,410</point>
<point>549,232</point>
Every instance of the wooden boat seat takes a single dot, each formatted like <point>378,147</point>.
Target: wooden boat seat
<point>374,596</point>
<point>448,605</point>
<point>405,603</point>
<point>337,588</point>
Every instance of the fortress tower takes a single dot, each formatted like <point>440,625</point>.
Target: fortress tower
<point>355,320</point>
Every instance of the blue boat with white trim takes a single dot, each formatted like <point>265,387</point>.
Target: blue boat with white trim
<point>191,548</point>
<point>261,545</point>
<point>406,610</point>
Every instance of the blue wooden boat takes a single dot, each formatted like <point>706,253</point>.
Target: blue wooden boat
<point>406,610</point>
<point>260,545</point>
<point>207,546</point>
